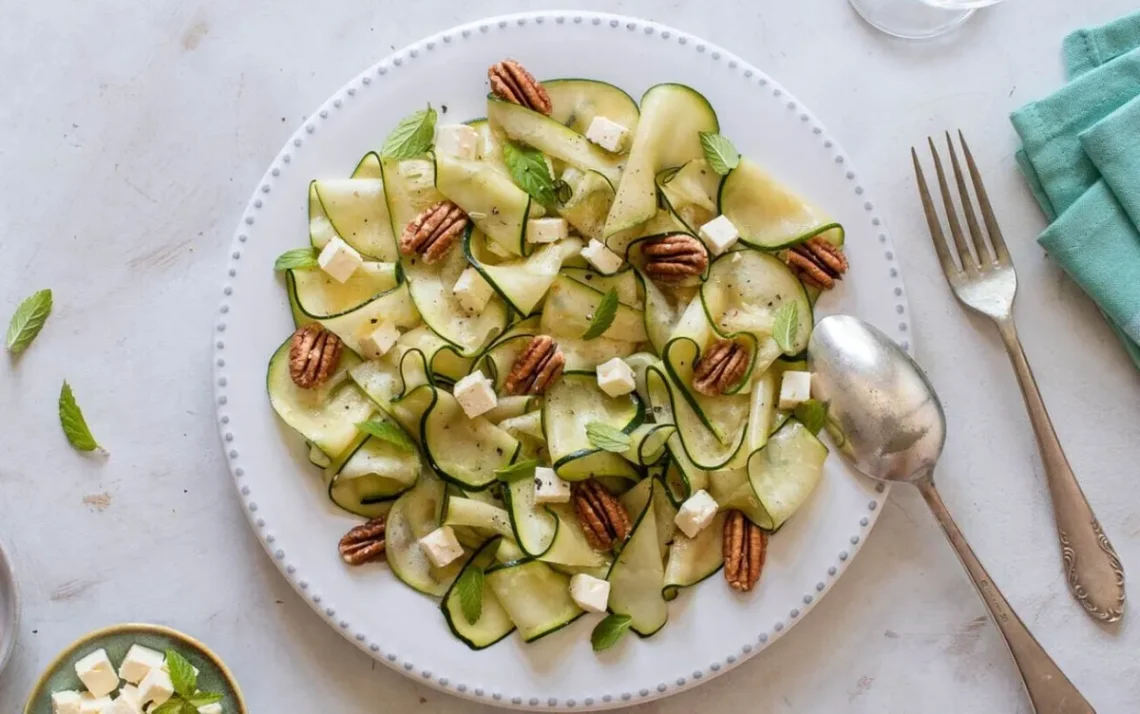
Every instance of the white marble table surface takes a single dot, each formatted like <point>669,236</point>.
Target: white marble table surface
<point>131,135</point>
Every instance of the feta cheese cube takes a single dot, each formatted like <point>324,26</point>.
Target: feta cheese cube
<point>89,704</point>
<point>615,377</point>
<point>376,343</point>
<point>129,695</point>
<point>65,702</point>
<point>458,140</point>
<point>476,394</point>
<point>138,662</point>
<point>156,687</point>
<point>603,259</point>
<point>472,291</point>
<point>696,513</point>
<point>97,673</point>
<point>719,234</point>
<point>123,705</point>
<point>339,260</point>
<point>546,230</point>
<point>592,594</point>
<point>549,488</point>
<point>607,134</point>
<point>795,388</point>
<point>215,708</point>
<point>441,547</point>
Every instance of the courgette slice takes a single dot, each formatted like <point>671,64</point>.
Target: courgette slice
<point>464,451</point>
<point>497,359</point>
<point>536,598</point>
<point>521,282</point>
<point>357,211</point>
<point>409,187</point>
<point>624,282</point>
<point>570,548</point>
<point>394,307</point>
<point>663,310</point>
<point>551,138</point>
<point>493,623</point>
<point>691,560</point>
<point>511,406</point>
<point>590,202</point>
<point>649,491</point>
<point>648,443</point>
<point>690,193</point>
<point>668,134</point>
<point>570,308</point>
<point>709,429</point>
<point>489,148</point>
<point>637,577</point>
<point>533,525</point>
<point>392,376</point>
<point>576,102</point>
<point>568,407</point>
<point>371,477</point>
<point>318,296</point>
<point>767,214</point>
<point>474,513</point>
<point>745,291</point>
<point>414,515</point>
<point>445,360</point>
<point>762,409</point>
<point>498,207</point>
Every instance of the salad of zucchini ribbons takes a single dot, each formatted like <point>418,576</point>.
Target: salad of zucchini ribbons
<point>554,357</point>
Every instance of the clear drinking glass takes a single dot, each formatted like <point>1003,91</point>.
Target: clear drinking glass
<point>917,19</point>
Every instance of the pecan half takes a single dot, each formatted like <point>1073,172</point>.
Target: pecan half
<point>510,81</point>
<point>363,543</point>
<point>720,367</point>
<point>603,518</point>
<point>818,262</point>
<point>745,547</point>
<point>675,257</point>
<point>313,355</point>
<point>434,231</point>
<point>538,367</point>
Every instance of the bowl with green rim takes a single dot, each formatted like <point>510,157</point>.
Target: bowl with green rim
<point>60,674</point>
<point>9,608</point>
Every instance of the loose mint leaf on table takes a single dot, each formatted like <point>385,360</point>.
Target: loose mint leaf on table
<point>296,259</point>
<point>386,431</point>
<point>412,137</point>
<point>719,152</point>
<point>529,170</point>
<point>786,327</point>
<point>606,437</point>
<point>470,588</point>
<point>603,316</point>
<point>28,320</point>
<point>73,423</point>
<point>609,631</point>
<point>812,414</point>
<point>517,471</point>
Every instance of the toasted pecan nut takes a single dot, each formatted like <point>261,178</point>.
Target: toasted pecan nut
<point>721,366</point>
<point>511,82</point>
<point>364,543</point>
<point>538,367</point>
<point>818,262</point>
<point>745,547</point>
<point>674,257</point>
<point>434,231</point>
<point>313,355</point>
<point>602,516</point>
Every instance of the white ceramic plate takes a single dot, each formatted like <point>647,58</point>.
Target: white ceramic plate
<point>710,630</point>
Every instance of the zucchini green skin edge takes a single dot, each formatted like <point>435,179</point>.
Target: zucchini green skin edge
<point>617,561</point>
<point>340,464</point>
<point>636,421</point>
<point>527,561</point>
<point>431,458</point>
<point>485,551</point>
<point>508,501</point>
<point>692,402</point>
<point>819,230</point>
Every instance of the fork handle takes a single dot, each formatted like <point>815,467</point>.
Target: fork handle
<point>1050,691</point>
<point>1092,569</point>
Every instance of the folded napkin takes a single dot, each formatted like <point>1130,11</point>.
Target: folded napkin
<point>1081,158</point>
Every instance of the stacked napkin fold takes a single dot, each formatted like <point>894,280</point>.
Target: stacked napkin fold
<point>1081,158</point>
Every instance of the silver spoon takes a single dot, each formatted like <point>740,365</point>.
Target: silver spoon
<point>892,428</point>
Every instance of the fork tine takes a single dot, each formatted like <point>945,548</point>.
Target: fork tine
<point>940,247</point>
<point>981,250</point>
<point>952,214</point>
<point>984,202</point>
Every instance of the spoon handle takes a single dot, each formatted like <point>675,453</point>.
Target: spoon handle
<point>1050,691</point>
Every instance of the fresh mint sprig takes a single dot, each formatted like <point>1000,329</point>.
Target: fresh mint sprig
<point>412,137</point>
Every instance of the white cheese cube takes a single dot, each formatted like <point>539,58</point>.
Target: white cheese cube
<point>65,702</point>
<point>549,488</point>
<point>123,705</point>
<point>795,388</point>
<point>129,695</point>
<point>339,259</point>
<point>615,377</point>
<point>719,234</point>
<point>441,547</point>
<point>138,662</point>
<point>592,594</point>
<point>607,134</point>
<point>156,687</point>
<point>696,513</point>
<point>89,704</point>
<point>546,230</point>
<point>603,259</point>
<point>97,673</point>
<point>376,343</point>
<point>215,708</point>
<point>458,140</point>
<point>472,291</point>
<point>476,394</point>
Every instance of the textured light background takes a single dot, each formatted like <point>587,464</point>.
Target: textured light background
<point>131,135</point>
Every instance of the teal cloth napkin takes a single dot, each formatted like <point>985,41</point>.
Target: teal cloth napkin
<point>1081,159</point>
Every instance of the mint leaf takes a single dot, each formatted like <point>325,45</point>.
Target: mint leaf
<point>603,316</point>
<point>389,432</point>
<point>529,170</point>
<point>609,631</point>
<point>182,674</point>
<point>28,320</point>
<point>606,437</point>
<point>202,699</point>
<point>719,152</point>
<point>296,259</point>
<point>812,414</point>
<point>470,589</point>
<point>170,706</point>
<point>412,137</point>
<point>517,471</point>
<point>73,423</point>
<point>786,327</point>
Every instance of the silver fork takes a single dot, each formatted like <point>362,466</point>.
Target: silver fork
<point>984,281</point>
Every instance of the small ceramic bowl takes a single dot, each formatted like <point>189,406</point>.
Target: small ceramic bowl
<point>9,608</point>
<point>214,676</point>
